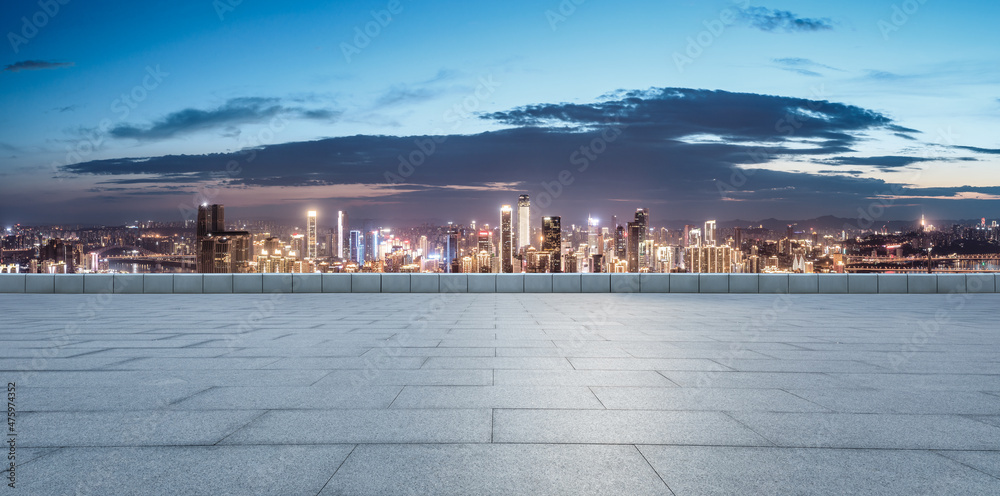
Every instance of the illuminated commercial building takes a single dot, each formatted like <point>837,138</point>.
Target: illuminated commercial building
<point>552,241</point>
<point>710,233</point>
<point>220,251</point>
<point>342,243</point>
<point>312,241</point>
<point>523,222</point>
<point>506,240</point>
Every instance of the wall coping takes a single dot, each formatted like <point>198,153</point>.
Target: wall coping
<point>461,283</point>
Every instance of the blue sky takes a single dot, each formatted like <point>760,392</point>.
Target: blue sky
<point>275,77</point>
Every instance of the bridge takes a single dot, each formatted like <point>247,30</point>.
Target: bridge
<point>985,262</point>
<point>177,261</point>
<point>103,250</point>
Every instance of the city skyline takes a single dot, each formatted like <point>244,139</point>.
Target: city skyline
<point>734,110</point>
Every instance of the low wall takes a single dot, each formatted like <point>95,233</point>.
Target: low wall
<point>500,283</point>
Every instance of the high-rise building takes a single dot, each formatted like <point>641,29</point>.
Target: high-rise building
<point>552,241</point>
<point>634,238</point>
<point>312,242</point>
<point>357,244</point>
<point>620,243</point>
<point>523,222</point>
<point>592,235</point>
<point>642,219</point>
<point>371,246</point>
<point>710,239</point>
<point>341,245</point>
<point>220,251</point>
<point>506,240</point>
<point>451,261</point>
<point>484,244</point>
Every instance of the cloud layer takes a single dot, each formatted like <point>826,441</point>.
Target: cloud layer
<point>684,150</point>
<point>234,111</point>
<point>772,20</point>
<point>35,65</point>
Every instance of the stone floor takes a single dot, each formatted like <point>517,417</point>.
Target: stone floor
<point>680,394</point>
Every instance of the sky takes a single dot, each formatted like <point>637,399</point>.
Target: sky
<point>404,112</point>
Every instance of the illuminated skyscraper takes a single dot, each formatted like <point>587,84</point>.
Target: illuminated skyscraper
<point>220,251</point>
<point>642,219</point>
<point>484,244</point>
<point>634,238</point>
<point>552,241</point>
<point>523,222</point>
<point>341,245</point>
<point>710,236</point>
<point>592,236</point>
<point>506,240</point>
<point>311,240</point>
<point>451,262</point>
<point>357,243</point>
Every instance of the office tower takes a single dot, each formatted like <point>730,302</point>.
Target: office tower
<point>424,246</point>
<point>357,247</point>
<point>451,261</point>
<point>710,238</point>
<point>523,222</point>
<point>506,240</point>
<point>312,241</point>
<point>371,246</point>
<point>695,236</point>
<point>738,237</point>
<point>552,241</point>
<point>220,251</point>
<point>342,242</point>
<point>620,245</point>
<point>687,235</point>
<point>642,219</point>
<point>591,235</point>
<point>596,263</point>
<point>484,244</point>
<point>634,240</point>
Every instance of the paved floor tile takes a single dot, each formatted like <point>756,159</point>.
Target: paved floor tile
<point>189,470</point>
<point>695,470</point>
<point>366,426</point>
<point>495,469</point>
<point>621,427</point>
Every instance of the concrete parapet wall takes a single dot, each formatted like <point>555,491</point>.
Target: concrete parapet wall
<point>501,283</point>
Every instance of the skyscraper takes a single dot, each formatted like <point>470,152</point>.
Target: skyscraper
<point>592,235</point>
<point>710,236</point>
<point>634,237</point>
<point>312,242</point>
<point>484,244</point>
<point>357,247</point>
<point>451,262</point>
<point>523,222</point>
<point>620,247</point>
<point>341,244</point>
<point>506,240</point>
<point>642,219</point>
<point>552,241</point>
<point>220,251</point>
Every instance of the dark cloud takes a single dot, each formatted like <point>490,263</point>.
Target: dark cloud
<point>235,111</point>
<point>772,20</point>
<point>35,65</point>
<point>886,162</point>
<point>689,151</point>
<point>988,151</point>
